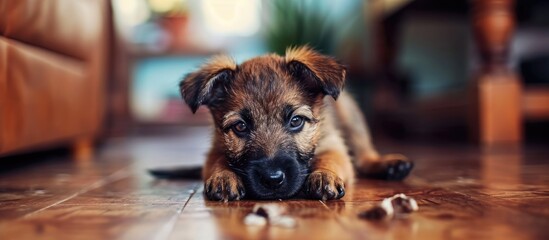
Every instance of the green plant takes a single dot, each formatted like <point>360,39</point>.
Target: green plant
<point>296,23</point>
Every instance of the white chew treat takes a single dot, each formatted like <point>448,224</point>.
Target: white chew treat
<point>271,214</point>
<point>284,221</point>
<point>267,210</point>
<point>403,204</point>
<point>400,195</point>
<point>391,207</point>
<point>413,204</point>
<point>387,205</point>
<point>254,219</point>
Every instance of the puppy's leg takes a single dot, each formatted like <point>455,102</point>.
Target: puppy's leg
<point>368,161</point>
<point>331,168</point>
<point>221,183</point>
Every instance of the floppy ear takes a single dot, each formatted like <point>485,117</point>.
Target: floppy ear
<point>322,73</point>
<point>202,86</point>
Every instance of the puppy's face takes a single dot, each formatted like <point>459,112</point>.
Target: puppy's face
<point>269,127</point>
<point>266,113</point>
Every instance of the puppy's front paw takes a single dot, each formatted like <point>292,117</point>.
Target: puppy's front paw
<point>224,186</point>
<point>324,185</point>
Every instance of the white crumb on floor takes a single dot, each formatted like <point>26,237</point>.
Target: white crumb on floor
<point>271,214</point>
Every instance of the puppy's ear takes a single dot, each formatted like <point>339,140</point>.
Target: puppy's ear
<point>202,86</point>
<point>316,71</point>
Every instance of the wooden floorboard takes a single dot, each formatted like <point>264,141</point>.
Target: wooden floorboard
<point>463,193</point>
<point>200,217</point>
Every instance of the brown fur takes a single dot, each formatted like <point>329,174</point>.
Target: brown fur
<point>264,88</point>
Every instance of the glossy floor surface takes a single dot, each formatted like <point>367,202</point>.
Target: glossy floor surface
<point>462,192</point>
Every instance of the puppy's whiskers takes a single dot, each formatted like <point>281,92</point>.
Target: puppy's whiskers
<point>238,170</point>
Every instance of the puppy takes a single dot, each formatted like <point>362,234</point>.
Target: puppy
<point>278,131</point>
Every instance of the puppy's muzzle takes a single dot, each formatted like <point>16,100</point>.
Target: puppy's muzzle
<point>273,179</point>
<point>277,177</point>
<point>273,173</point>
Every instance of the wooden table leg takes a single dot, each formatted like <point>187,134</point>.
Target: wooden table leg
<point>497,89</point>
<point>83,149</point>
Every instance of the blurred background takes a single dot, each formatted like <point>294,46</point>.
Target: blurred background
<point>453,71</point>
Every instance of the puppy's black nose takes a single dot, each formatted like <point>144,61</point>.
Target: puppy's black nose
<point>273,179</point>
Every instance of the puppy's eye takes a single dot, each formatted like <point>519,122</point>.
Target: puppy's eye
<point>240,127</point>
<point>296,123</point>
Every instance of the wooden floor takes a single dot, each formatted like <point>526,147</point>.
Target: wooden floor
<point>462,192</point>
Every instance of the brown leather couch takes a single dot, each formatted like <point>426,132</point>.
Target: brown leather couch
<point>53,66</point>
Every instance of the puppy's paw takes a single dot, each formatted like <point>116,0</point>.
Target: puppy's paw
<point>324,185</point>
<point>224,186</point>
<point>393,167</point>
<point>398,169</point>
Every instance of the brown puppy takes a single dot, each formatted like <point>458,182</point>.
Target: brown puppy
<point>277,135</point>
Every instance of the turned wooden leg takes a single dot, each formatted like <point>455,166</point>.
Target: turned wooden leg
<point>83,149</point>
<point>497,90</point>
